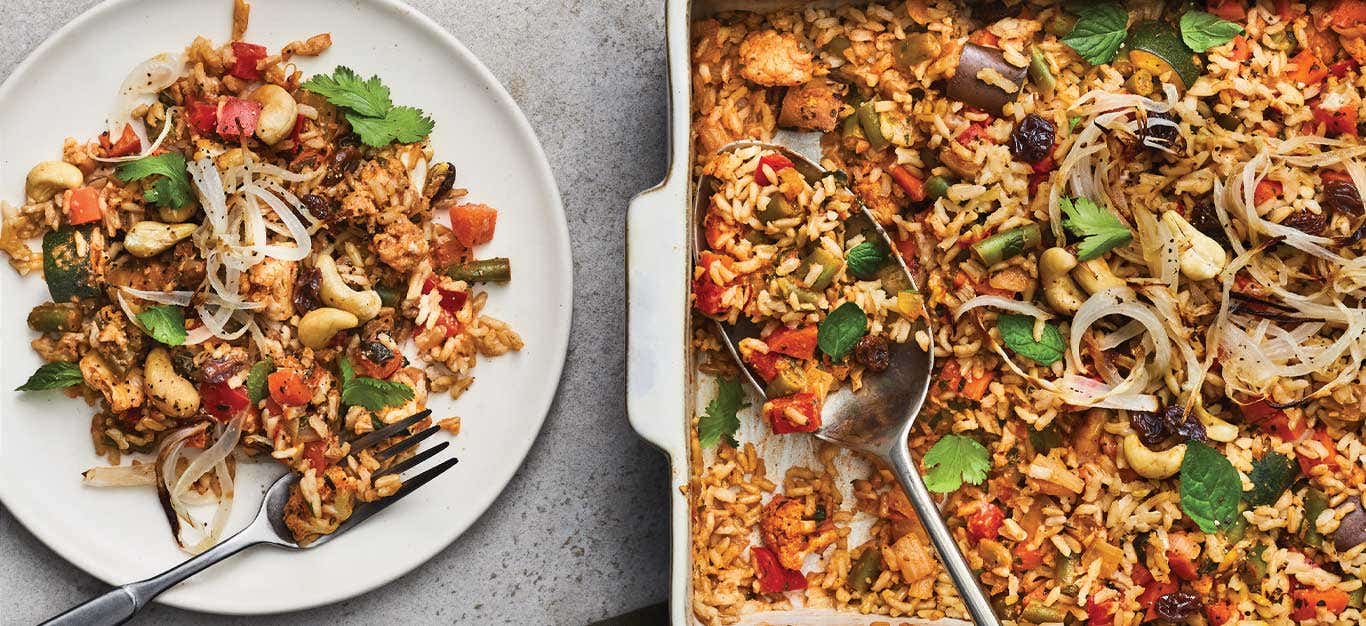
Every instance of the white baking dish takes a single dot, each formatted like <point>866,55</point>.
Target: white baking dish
<point>662,383</point>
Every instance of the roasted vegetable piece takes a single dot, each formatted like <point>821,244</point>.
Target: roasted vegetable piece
<point>1008,244</point>
<point>969,86</point>
<point>495,270</point>
<point>66,264</point>
<point>54,317</point>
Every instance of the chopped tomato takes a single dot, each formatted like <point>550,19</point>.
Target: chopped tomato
<point>451,299</point>
<point>204,116</point>
<point>706,293</point>
<point>1219,613</point>
<point>775,162</point>
<point>1337,175</point>
<point>245,57</point>
<point>1027,558</point>
<point>1336,122</point>
<point>83,206</point>
<point>1182,565</point>
<point>1266,190</point>
<point>1102,614</point>
<point>908,250</point>
<point>908,182</point>
<point>774,578</point>
<point>1272,419</point>
<point>1342,68</point>
<point>951,376</point>
<point>1348,14</point>
<point>1308,68</point>
<point>798,343</point>
<point>222,401</point>
<point>977,387</point>
<point>986,522</point>
<point>1232,10</point>
<point>288,388</point>
<point>314,452</point>
<point>473,224</point>
<point>1307,463</point>
<point>127,144</point>
<point>1241,50</point>
<point>238,117</point>
<point>1309,601</point>
<point>975,130</point>
<point>780,413</point>
<point>765,363</point>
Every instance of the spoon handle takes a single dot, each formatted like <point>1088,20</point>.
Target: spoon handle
<point>974,598</point>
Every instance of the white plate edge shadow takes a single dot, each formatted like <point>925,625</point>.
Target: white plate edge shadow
<point>558,351</point>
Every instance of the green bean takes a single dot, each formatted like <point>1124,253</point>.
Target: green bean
<point>871,123</point>
<point>936,187</point>
<point>916,49</point>
<point>1064,569</point>
<point>1008,244</point>
<point>829,262</point>
<point>1314,504</point>
<point>1038,613</point>
<point>1038,70</point>
<point>778,207</point>
<point>389,295</point>
<point>52,317</point>
<point>495,270</point>
<point>850,127</point>
<point>865,570</point>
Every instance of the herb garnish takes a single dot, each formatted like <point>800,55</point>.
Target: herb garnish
<point>719,421</point>
<point>1202,31</point>
<point>1017,331</point>
<point>256,380</point>
<point>1099,229</point>
<point>953,460</point>
<point>371,393</point>
<point>172,190</point>
<point>1271,475</point>
<point>1100,31</point>
<point>165,323</point>
<point>1210,487</point>
<point>54,375</point>
<point>372,115</point>
<point>865,259</point>
<point>841,329</point>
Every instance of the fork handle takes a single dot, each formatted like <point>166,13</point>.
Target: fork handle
<point>974,598</point>
<point>119,604</point>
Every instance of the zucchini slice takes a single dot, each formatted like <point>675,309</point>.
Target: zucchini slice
<point>65,268</point>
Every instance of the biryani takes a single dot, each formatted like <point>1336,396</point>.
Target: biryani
<point>236,269</point>
<point>1136,229</point>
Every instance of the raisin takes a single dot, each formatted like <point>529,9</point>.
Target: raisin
<point>1205,220</point>
<point>1160,135</point>
<point>341,163</point>
<point>320,207</point>
<point>872,353</point>
<point>1307,221</point>
<point>216,370</point>
<point>1341,196</point>
<point>1182,424</point>
<point>1151,428</point>
<point>376,352</point>
<point>307,290</point>
<point>1032,139</point>
<point>1177,605</point>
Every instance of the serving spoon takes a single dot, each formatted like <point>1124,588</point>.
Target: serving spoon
<point>877,419</point>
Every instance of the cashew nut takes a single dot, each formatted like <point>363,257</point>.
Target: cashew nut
<point>363,304</point>
<point>1095,276</point>
<point>279,112</point>
<point>1215,428</point>
<point>1202,258</point>
<point>1150,464</point>
<point>48,178</point>
<point>1058,289</point>
<point>319,326</point>
<point>149,238</point>
<point>170,392</point>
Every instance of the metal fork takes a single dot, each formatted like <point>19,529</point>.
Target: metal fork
<point>120,604</point>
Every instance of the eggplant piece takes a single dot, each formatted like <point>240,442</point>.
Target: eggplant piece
<point>967,88</point>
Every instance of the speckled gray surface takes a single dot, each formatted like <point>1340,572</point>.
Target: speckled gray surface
<point>591,78</point>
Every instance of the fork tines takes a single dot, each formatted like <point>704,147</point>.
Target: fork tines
<point>370,439</point>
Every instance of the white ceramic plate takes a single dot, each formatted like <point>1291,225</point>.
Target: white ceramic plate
<point>66,87</point>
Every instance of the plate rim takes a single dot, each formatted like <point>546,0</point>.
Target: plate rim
<point>558,352</point>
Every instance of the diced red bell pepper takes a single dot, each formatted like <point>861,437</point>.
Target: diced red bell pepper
<point>1027,558</point>
<point>245,56</point>
<point>222,401</point>
<point>288,388</point>
<point>1348,14</point>
<point>804,404</point>
<point>1242,51</point>
<point>766,364</point>
<point>974,131</point>
<point>1308,601</point>
<point>127,144</point>
<point>977,387</point>
<point>775,162</point>
<point>1343,68</point>
<point>951,376</point>
<point>986,522</point>
<point>1182,566</point>
<point>798,343</point>
<point>908,182</point>
<point>204,116</point>
<point>1102,614</point>
<point>473,224</point>
<point>1219,613</point>
<point>83,206</point>
<point>1337,122</point>
<point>774,578</point>
<point>1307,68</point>
<point>706,293</point>
<point>1231,10</point>
<point>238,117</point>
<point>451,300</point>
<point>1272,419</point>
<point>314,452</point>
<point>1337,175</point>
<point>1266,190</point>
<point>1307,463</point>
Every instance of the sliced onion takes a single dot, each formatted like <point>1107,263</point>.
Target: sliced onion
<point>303,242</point>
<point>136,475</point>
<point>999,302</point>
<point>174,491</point>
<point>165,131</point>
<point>177,298</point>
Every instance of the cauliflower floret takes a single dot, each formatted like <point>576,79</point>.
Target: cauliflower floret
<point>121,395</point>
<point>271,282</point>
<point>775,59</point>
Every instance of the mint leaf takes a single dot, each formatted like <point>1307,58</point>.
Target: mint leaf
<point>1271,475</point>
<point>1202,31</point>
<point>953,460</point>
<point>1210,487</point>
<point>1099,229</point>
<point>371,393</point>
<point>1099,32</point>
<point>165,323</point>
<point>865,259</point>
<point>172,190</point>
<point>841,329</point>
<point>256,380</point>
<point>719,421</point>
<point>54,375</point>
<point>1017,331</point>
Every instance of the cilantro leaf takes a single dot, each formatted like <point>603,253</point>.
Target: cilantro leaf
<point>172,190</point>
<point>344,88</point>
<point>954,460</point>
<point>256,380</point>
<point>841,329</point>
<point>165,323</point>
<point>1210,487</point>
<point>1099,229</point>
<point>865,259</point>
<point>719,420</point>
<point>1271,475</point>
<point>1017,331</point>
<point>54,375</point>
<point>404,124</point>
<point>1099,32</point>
<point>372,393</point>
<point>1202,31</point>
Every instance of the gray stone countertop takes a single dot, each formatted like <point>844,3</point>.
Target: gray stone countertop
<point>591,77</point>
